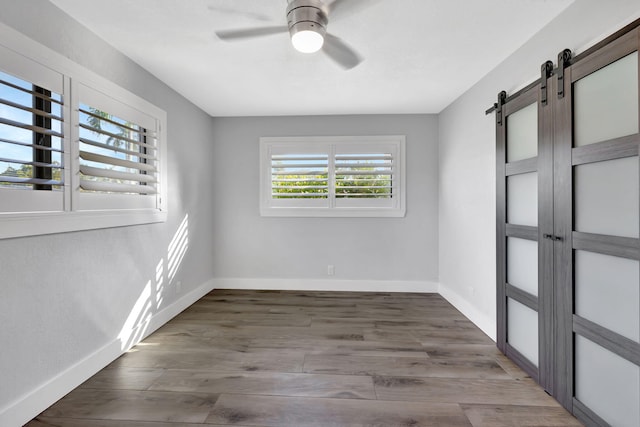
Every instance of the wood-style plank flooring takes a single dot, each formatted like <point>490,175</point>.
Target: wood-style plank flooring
<point>274,358</point>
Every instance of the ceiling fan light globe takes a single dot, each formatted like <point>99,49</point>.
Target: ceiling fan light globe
<point>307,41</point>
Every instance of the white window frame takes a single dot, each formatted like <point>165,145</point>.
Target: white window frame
<point>112,210</point>
<point>332,206</point>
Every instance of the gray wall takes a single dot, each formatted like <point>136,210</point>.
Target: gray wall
<point>250,246</point>
<point>467,154</point>
<point>66,296</point>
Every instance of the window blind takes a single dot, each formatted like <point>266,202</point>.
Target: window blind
<point>116,155</point>
<point>31,135</point>
<point>364,175</point>
<point>300,176</point>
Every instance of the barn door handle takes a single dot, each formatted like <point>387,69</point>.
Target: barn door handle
<point>552,237</point>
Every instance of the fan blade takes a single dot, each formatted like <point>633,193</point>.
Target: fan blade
<point>342,7</point>
<point>248,33</point>
<point>246,14</point>
<point>340,52</point>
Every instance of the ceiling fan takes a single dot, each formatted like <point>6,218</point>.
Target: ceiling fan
<point>307,26</point>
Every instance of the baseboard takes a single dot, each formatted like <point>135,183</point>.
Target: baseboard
<point>327,285</point>
<point>480,319</point>
<point>28,406</point>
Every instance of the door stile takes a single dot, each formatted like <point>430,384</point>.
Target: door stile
<point>563,249</point>
<point>517,292</point>
<point>501,219</point>
<point>546,241</point>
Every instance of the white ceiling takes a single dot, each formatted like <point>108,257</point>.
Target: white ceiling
<point>420,55</point>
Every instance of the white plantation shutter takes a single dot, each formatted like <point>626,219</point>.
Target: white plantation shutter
<point>332,176</point>
<point>369,174</point>
<point>364,175</point>
<point>117,152</point>
<point>31,136</point>
<point>298,176</point>
<point>24,126</point>
<point>124,163</point>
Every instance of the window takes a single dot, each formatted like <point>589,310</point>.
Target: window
<point>31,139</point>
<point>332,176</point>
<point>71,156</point>
<point>117,154</point>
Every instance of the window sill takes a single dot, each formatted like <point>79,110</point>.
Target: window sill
<point>41,223</point>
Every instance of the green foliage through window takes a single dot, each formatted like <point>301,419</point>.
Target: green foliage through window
<point>354,176</point>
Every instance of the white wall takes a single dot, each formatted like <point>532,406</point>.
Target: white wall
<point>69,301</point>
<point>296,251</point>
<point>467,154</point>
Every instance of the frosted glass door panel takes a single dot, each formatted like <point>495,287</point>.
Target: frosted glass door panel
<point>607,292</point>
<point>522,264</point>
<point>522,199</point>
<point>606,383</point>
<point>606,102</point>
<point>606,197</point>
<point>522,330</point>
<point>522,133</point>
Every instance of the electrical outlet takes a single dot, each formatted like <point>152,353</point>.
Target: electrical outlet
<point>178,287</point>
<point>331,270</point>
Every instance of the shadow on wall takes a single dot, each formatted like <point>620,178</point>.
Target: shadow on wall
<point>152,296</point>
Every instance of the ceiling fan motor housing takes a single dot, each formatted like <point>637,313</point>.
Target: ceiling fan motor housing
<point>307,15</point>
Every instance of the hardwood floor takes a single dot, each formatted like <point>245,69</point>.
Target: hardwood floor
<point>271,358</point>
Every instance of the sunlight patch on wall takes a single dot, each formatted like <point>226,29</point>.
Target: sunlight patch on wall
<point>153,295</point>
<point>138,321</point>
<point>177,249</point>
<point>159,283</point>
